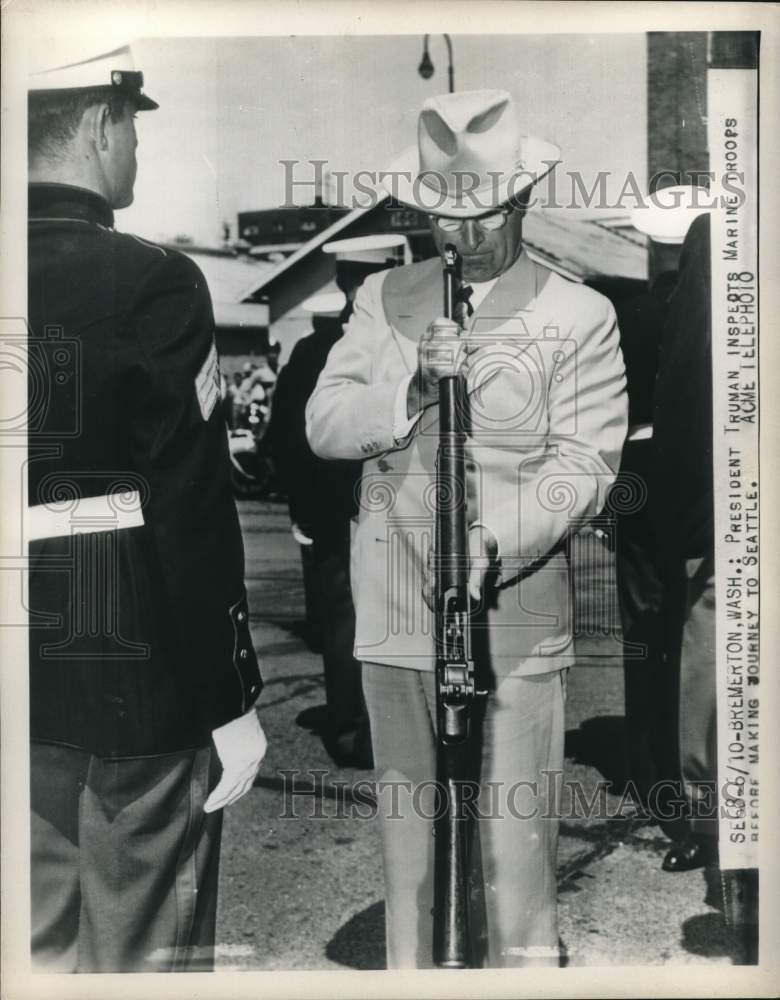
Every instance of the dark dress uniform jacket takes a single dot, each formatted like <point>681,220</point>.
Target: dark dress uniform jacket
<point>681,482</point>
<point>321,493</point>
<point>139,637</point>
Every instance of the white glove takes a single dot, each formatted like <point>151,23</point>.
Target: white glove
<point>482,558</point>
<point>241,746</point>
<point>483,548</point>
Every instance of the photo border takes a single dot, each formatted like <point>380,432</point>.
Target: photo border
<point>143,18</point>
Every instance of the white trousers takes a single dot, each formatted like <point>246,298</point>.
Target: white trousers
<point>518,749</point>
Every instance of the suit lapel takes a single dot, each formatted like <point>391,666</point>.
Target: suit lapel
<point>413,297</point>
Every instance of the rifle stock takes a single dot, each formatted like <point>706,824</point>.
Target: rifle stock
<point>454,669</point>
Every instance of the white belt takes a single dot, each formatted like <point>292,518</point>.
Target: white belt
<point>640,432</point>
<point>84,516</point>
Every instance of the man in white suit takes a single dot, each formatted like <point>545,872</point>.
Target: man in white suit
<point>547,420</point>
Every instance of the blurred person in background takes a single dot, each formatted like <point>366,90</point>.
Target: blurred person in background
<point>682,504</point>
<point>650,676</point>
<point>234,399</point>
<point>652,664</point>
<point>323,500</point>
<point>259,380</point>
<point>682,492</point>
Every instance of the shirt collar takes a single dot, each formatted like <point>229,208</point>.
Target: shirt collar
<point>481,289</point>
<point>65,201</point>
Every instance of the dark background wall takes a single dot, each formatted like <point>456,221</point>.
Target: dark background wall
<point>676,105</point>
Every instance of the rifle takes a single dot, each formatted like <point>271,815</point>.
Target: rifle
<point>454,668</point>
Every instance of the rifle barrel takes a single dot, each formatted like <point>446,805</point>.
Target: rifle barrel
<point>454,672</point>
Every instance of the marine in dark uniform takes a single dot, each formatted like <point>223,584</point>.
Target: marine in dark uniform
<point>650,686</point>
<point>323,500</point>
<point>682,505</point>
<point>141,661</point>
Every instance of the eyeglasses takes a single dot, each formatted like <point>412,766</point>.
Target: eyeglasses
<point>496,220</point>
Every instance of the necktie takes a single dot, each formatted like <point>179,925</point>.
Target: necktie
<point>463,306</point>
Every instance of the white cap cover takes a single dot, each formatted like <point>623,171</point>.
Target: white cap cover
<point>325,303</point>
<point>113,69</point>
<point>373,249</point>
<point>669,212</point>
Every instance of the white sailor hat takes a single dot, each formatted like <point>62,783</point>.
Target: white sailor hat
<point>58,71</point>
<point>668,213</point>
<point>325,303</point>
<point>382,248</point>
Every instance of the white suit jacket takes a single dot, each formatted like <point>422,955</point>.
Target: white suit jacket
<point>548,416</point>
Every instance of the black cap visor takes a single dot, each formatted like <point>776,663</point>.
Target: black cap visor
<point>131,82</point>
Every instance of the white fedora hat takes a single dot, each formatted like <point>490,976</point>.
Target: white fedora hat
<point>670,212</point>
<point>470,158</point>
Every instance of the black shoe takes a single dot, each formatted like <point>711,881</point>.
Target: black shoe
<point>314,718</point>
<point>693,852</point>
<point>348,750</point>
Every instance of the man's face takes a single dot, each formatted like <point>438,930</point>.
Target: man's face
<point>485,253</point>
<point>121,164</point>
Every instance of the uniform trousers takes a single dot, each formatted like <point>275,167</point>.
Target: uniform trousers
<point>517,737</point>
<point>695,584</point>
<point>695,579</point>
<point>124,862</point>
<point>651,679</point>
<point>343,688</point>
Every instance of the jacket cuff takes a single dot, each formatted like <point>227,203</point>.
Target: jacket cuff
<point>403,424</point>
<point>230,692</point>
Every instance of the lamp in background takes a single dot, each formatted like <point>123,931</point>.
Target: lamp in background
<point>426,68</point>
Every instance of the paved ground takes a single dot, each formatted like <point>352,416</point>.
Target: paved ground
<point>306,893</point>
